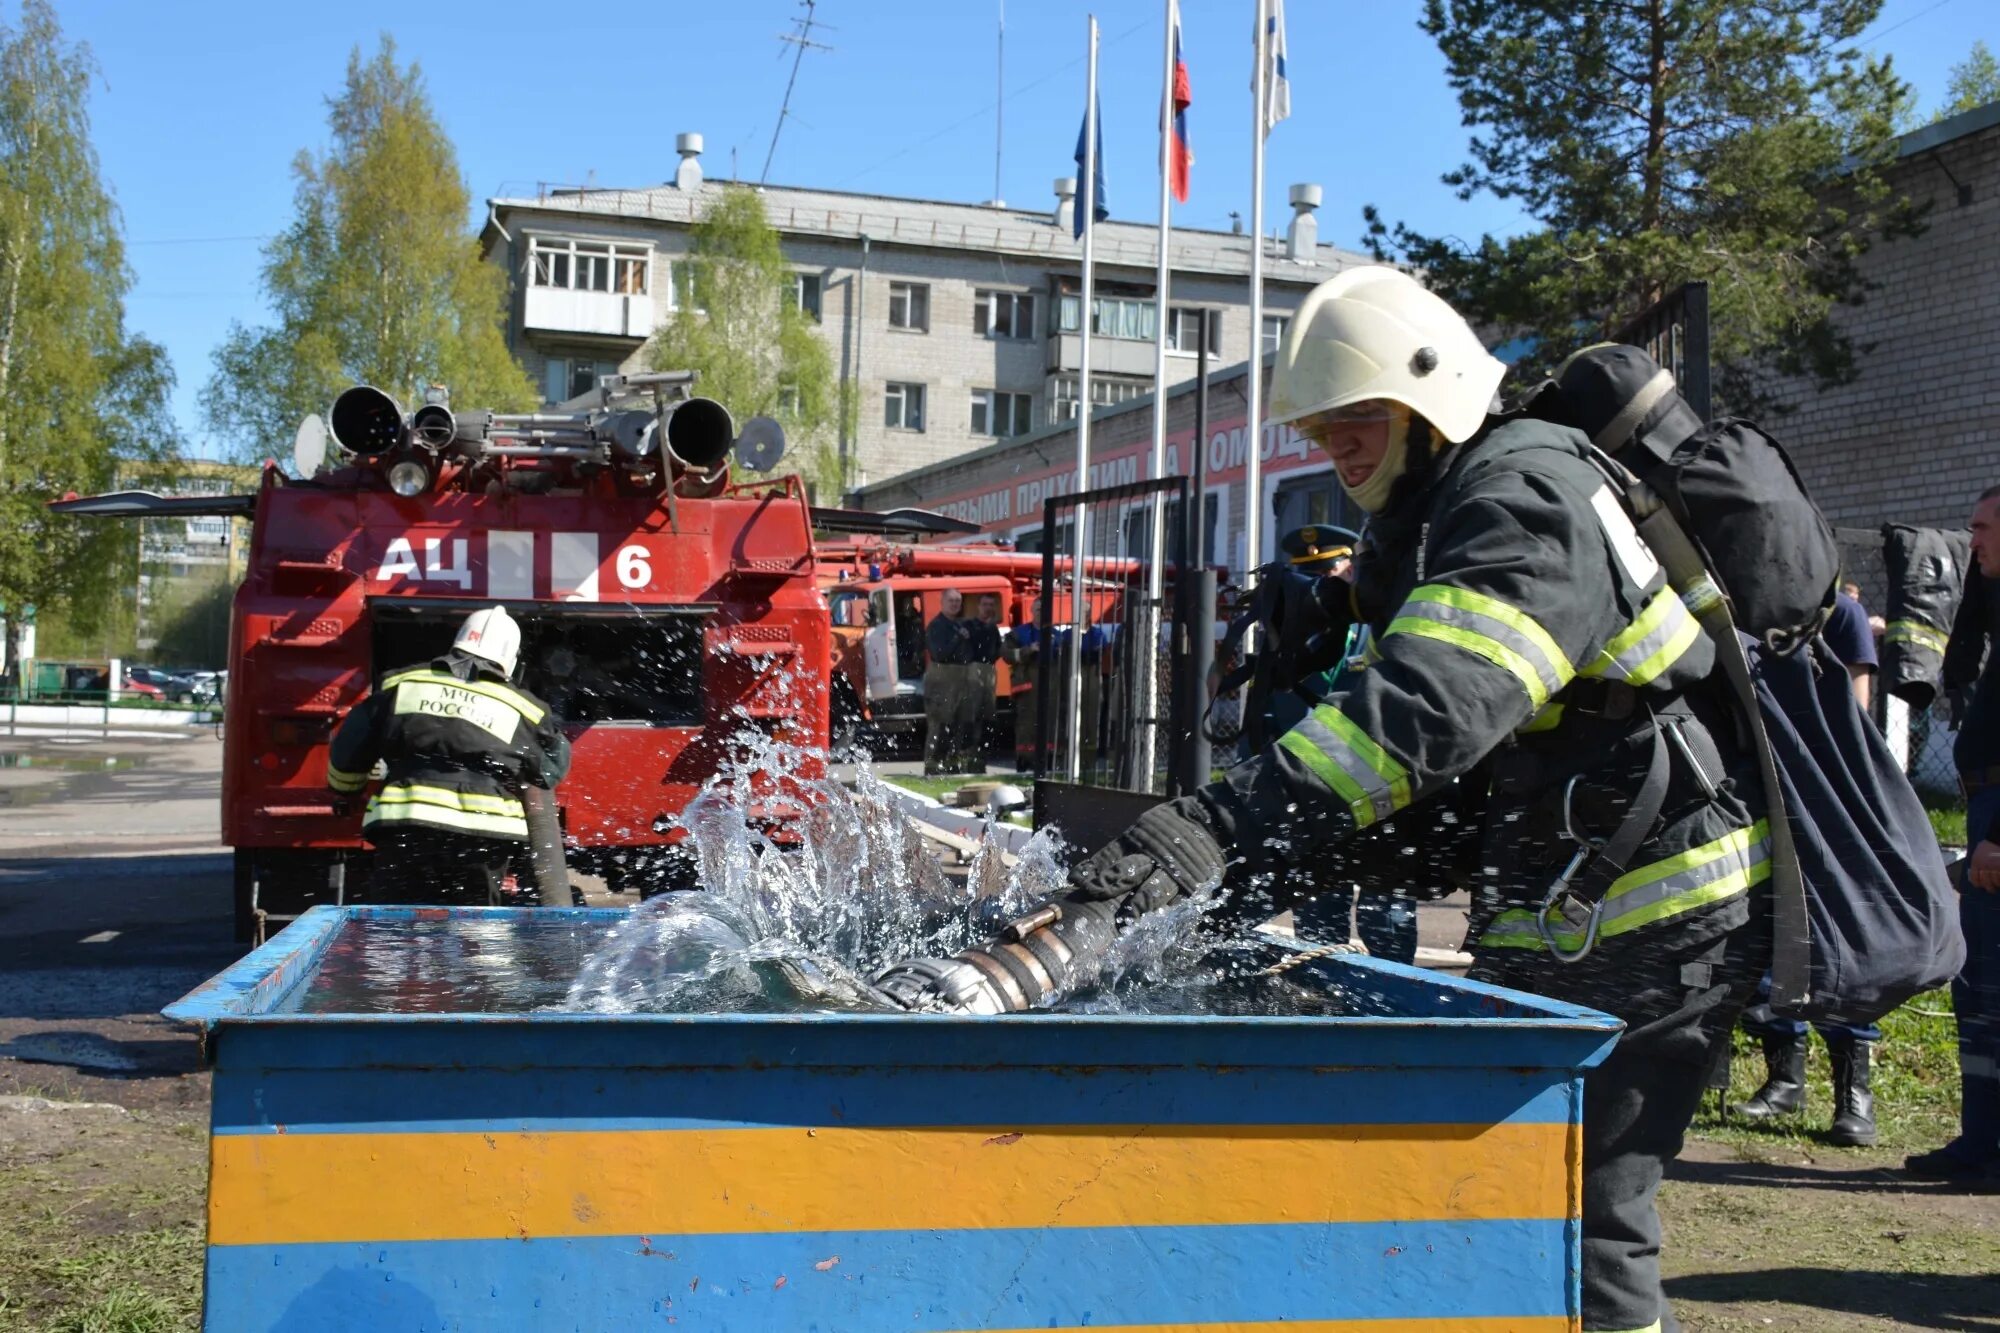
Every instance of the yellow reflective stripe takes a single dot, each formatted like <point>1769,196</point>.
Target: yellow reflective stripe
<point>1523,624</point>
<point>1547,720</point>
<point>1711,873</point>
<point>341,780</point>
<point>1347,759</point>
<point>1651,617</point>
<point>1346,788</point>
<point>458,800</point>
<point>424,812</point>
<point>1479,646</point>
<point>1915,631</point>
<point>1657,637</point>
<point>518,702</point>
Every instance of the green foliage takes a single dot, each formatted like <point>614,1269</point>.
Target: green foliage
<point>80,397</point>
<point>191,626</point>
<point>755,351</point>
<point>376,281</point>
<point>1736,141</point>
<point>1975,81</point>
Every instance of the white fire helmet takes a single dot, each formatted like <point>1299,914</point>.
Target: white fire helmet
<point>491,635</point>
<point>1373,332</point>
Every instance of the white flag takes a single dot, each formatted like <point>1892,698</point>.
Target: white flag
<point>1277,88</point>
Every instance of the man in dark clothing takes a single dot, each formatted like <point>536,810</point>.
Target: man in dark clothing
<point>1849,1047</point>
<point>1385,922</point>
<point>1975,994</point>
<point>1529,657</point>
<point>1023,664</point>
<point>949,643</point>
<point>983,679</point>
<point>460,745</point>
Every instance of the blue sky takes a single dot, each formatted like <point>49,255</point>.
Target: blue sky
<point>202,107</point>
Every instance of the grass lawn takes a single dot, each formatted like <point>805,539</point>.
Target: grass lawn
<point>1915,1082</point>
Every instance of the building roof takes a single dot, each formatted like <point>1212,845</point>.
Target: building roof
<point>938,224</point>
<point>1941,132</point>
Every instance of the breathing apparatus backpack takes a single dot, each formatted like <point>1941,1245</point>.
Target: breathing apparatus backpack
<point>1863,914</point>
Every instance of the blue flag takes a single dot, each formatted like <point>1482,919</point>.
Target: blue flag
<point>1092,204</point>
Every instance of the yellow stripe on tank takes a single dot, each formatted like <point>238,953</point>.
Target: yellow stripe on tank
<point>270,1189</point>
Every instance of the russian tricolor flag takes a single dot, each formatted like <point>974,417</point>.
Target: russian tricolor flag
<point>1179,99</point>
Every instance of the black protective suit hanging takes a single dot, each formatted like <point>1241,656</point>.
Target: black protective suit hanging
<point>1926,574</point>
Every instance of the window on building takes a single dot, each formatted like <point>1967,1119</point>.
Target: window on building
<point>566,377</point>
<point>903,407</point>
<point>684,286</point>
<point>592,270</point>
<point>910,306</point>
<point>588,266</point>
<point>629,267</point>
<point>1104,391</point>
<point>1003,314</point>
<point>1002,414</point>
<point>1184,328</point>
<point>1274,331</point>
<point>807,289</point>
<point>1117,317</point>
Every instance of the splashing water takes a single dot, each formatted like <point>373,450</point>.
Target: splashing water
<point>804,921</point>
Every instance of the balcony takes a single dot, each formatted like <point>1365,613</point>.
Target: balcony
<point>608,314</point>
<point>1110,356</point>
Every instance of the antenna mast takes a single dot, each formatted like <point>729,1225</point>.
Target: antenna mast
<point>999,99</point>
<point>802,40</point>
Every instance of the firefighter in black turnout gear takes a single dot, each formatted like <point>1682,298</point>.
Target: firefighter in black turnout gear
<point>1535,701</point>
<point>461,745</point>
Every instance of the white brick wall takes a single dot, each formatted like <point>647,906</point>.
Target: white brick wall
<point>1914,438</point>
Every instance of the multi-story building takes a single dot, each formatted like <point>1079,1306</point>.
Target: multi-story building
<point>957,325</point>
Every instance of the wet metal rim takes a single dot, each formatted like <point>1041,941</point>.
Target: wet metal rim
<point>1461,1021</point>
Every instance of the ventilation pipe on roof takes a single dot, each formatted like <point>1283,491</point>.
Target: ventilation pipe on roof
<point>1065,203</point>
<point>1302,240</point>
<point>687,176</point>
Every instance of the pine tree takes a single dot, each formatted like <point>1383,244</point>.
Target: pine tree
<point>1656,142</point>
<point>376,281</point>
<point>755,350</point>
<point>1975,81</point>
<point>81,399</point>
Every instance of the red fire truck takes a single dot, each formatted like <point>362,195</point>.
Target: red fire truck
<point>664,608</point>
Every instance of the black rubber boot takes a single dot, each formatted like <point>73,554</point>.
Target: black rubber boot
<point>1784,1090</point>
<point>1853,1102</point>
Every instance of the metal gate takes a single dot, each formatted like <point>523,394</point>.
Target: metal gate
<point>1123,709</point>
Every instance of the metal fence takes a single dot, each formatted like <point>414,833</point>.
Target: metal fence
<point>1126,714</point>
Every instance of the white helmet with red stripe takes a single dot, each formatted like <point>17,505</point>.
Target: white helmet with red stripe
<point>492,636</point>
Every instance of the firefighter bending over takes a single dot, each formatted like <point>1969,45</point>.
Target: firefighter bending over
<point>1537,703</point>
<point>460,744</point>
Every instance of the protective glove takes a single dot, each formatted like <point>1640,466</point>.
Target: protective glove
<point>1170,853</point>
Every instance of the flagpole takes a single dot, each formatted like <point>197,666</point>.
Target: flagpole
<point>1073,761</point>
<point>1145,654</point>
<point>1253,463</point>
